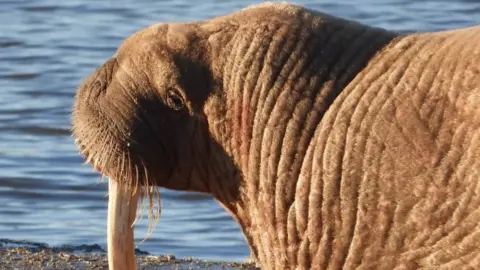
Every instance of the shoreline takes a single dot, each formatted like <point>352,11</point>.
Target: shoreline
<point>27,255</point>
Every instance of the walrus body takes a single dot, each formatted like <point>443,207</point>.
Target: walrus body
<point>333,144</point>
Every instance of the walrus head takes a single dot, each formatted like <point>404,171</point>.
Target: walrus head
<point>138,116</point>
<point>140,120</point>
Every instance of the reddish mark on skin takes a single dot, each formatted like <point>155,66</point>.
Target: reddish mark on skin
<point>241,130</point>
<point>246,132</point>
<point>237,125</point>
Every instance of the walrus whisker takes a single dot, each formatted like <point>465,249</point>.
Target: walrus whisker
<point>122,163</point>
<point>105,155</point>
<point>128,175</point>
<point>101,178</point>
<point>136,179</point>
<point>139,214</point>
<point>150,214</point>
<point>142,201</point>
<point>159,208</point>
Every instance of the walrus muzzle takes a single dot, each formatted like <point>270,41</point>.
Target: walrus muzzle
<point>122,208</point>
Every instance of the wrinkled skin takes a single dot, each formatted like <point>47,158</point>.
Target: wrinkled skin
<point>331,143</point>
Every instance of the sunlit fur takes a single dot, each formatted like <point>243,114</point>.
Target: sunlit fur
<point>332,144</point>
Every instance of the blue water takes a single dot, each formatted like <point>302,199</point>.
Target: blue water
<point>48,46</point>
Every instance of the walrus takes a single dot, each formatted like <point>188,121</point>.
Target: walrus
<point>333,144</point>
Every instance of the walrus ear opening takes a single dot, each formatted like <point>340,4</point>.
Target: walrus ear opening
<point>180,36</point>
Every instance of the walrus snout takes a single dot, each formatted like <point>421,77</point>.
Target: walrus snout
<point>97,83</point>
<point>92,111</point>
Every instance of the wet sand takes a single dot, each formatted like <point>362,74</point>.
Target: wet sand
<point>26,256</point>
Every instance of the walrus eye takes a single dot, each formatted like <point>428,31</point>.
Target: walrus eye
<point>174,100</point>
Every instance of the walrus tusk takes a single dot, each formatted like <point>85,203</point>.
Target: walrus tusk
<point>122,208</point>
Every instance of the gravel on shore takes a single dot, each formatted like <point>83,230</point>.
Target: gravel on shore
<point>15,255</point>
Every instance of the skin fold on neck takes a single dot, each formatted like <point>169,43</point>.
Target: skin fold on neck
<point>264,64</point>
